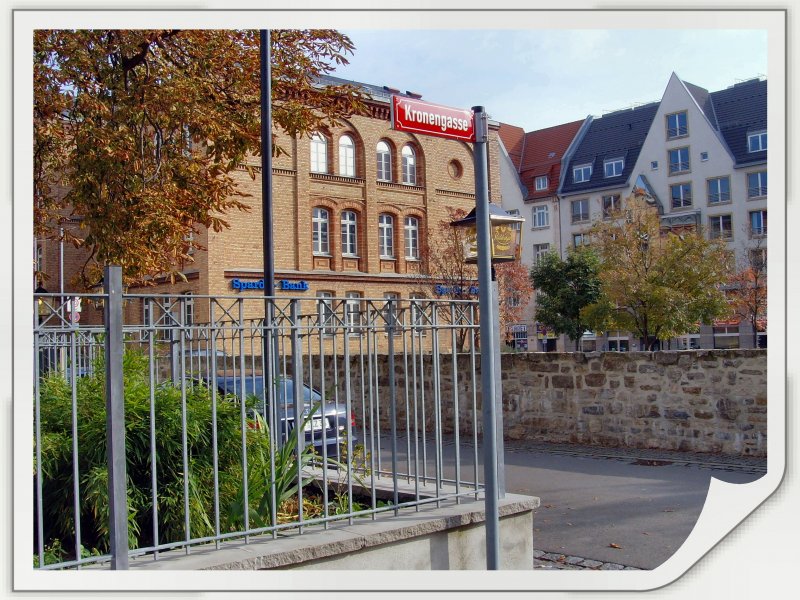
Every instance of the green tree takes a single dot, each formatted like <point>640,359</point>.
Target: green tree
<point>657,284</point>
<point>564,287</point>
<point>137,132</point>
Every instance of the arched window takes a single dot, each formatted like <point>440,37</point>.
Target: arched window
<point>319,231</point>
<point>319,153</point>
<point>409,166</point>
<point>384,155</point>
<point>347,156</point>
<point>386,235</point>
<point>412,238</point>
<point>349,233</point>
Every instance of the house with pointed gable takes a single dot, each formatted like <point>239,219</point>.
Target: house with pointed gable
<point>704,161</point>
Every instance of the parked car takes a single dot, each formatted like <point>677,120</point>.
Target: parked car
<point>328,425</point>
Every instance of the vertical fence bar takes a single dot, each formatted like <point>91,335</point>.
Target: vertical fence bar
<point>390,327</point>
<point>456,417</point>
<point>214,440</point>
<point>437,400</point>
<point>297,377</point>
<point>153,458</point>
<point>115,421</point>
<point>76,491</point>
<point>181,348</point>
<point>348,412</point>
<point>243,411</point>
<point>474,380</point>
<point>38,423</point>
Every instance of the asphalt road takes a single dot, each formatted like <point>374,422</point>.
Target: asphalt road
<point>629,507</point>
<point>636,509</point>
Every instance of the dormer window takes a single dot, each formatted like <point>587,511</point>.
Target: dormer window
<point>614,167</point>
<point>582,173</point>
<point>757,142</point>
<point>677,125</point>
<point>541,183</point>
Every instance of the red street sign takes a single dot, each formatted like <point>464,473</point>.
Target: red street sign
<point>416,116</point>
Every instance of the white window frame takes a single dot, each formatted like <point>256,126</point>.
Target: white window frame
<point>320,231</point>
<point>541,183</point>
<point>540,216</point>
<point>347,156</point>
<point>383,155</point>
<point>684,199</point>
<point>757,142</point>
<point>580,239</point>
<point>585,172</point>
<point>611,203</point>
<point>411,229</point>
<point>760,190</point>
<point>187,309</point>
<point>654,165</point>
<point>721,231</point>
<point>319,153</point>
<point>582,216</point>
<point>386,235</point>
<point>539,251</point>
<point>409,165</point>
<point>353,312</point>
<point>617,165</point>
<point>349,221</point>
<point>677,131</point>
<point>679,166</point>
<point>325,312</point>
<point>718,196</point>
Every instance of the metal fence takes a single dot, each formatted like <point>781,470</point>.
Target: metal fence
<point>244,416</point>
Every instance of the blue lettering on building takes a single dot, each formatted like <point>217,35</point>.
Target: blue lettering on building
<point>455,290</point>
<point>295,286</point>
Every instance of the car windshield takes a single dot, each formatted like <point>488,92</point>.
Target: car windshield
<point>254,385</point>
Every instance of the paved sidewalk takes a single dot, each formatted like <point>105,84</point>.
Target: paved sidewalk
<point>562,562</point>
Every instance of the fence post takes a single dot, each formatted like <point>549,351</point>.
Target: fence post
<point>115,420</point>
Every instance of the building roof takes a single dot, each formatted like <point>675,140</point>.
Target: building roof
<point>741,110</point>
<point>538,153</point>
<point>513,139</point>
<point>618,134</point>
<point>381,93</point>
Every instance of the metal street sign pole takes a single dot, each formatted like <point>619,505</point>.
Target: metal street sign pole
<point>488,341</point>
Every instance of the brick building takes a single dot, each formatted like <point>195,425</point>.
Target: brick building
<point>354,206</point>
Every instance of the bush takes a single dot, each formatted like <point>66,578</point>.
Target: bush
<point>58,464</point>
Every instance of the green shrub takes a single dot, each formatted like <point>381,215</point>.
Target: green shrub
<point>57,462</point>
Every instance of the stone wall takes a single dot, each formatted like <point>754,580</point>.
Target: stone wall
<point>704,400</point>
<point>701,401</point>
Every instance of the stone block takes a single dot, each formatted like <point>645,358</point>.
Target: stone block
<point>593,410</point>
<point>594,379</point>
<point>563,381</point>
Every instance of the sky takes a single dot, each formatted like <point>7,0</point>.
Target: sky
<point>540,78</point>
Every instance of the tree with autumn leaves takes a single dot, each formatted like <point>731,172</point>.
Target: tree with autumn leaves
<point>747,288</point>
<point>137,132</point>
<point>658,284</point>
<point>448,275</point>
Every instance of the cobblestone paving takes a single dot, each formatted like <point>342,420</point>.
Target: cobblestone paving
<point>564,562</point>
<point>655,458</point>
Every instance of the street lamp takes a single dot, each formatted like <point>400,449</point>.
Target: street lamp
<point>505,234</point>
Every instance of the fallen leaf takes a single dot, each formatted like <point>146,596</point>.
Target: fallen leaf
<point>645,533</point>
<point>668,510</point>
<point>570,524</point>
<point>617,546</point>
<point>547,506</point>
